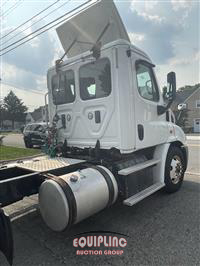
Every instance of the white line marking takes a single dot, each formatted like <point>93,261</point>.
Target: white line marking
<point>193,137</point>
<point>189,173</point>
<point>193,145</point>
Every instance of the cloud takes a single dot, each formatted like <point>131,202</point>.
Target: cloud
<point>146,9</point>
<point>27,65</point>
<point>157,31</point>
<point>164,25</point>
<point>155,18</point>
<point>136,37</point>
<point>35,56</point>
<point>31,99</point>
<point>181,4</point>
<point>18,77</point>
<point>169,32</point>
<point>195,57</point>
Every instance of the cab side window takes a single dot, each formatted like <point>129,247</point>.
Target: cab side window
<point>147,86</point>
<point>63,88</point>
<point>95,80</point>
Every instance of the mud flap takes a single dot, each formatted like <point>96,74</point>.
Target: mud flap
<point>6,237</point>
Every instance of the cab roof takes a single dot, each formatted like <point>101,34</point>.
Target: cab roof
<point>116,44</point>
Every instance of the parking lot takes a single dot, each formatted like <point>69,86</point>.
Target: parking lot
<point>162,229</point>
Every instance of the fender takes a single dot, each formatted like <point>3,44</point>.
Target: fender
<point>6,237</point>
<point>160,153</point>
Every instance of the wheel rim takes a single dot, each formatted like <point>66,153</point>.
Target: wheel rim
<point>176,169</point>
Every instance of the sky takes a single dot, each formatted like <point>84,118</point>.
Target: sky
<point>168,31</point>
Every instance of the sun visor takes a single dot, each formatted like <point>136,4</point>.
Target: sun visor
<point>100,20</point>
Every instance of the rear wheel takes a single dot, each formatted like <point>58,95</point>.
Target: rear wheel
<point>174,170</point>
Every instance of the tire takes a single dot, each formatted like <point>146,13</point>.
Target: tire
<point>28,144</point>
<point>174,170</point>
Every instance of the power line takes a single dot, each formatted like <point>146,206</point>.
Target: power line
<point>46,29</point>
<point>9,8</point>
<point>5,2</point>
<point>22,89</point>
<point>18,33</point>
<point>13,9</point>
<point>29,19</point>
<point>6,13</point>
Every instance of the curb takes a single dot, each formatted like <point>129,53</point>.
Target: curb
<point>193,137</point>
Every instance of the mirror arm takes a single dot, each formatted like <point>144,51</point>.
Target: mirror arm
<point>163,109</point>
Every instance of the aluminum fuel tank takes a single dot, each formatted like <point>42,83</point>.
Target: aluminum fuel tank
<point>68,199</point>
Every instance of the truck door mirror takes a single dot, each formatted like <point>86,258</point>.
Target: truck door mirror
<point>169,93</point>
<point>182,106</point>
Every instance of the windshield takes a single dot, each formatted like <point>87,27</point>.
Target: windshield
<point>63,88</point>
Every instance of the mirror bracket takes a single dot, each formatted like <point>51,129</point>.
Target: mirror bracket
<point>161,109</point>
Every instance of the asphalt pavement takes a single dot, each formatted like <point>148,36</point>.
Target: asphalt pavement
<point>15,140</point>
<point>163,229</point>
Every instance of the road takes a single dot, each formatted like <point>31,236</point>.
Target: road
<point>163,229</point>
<point>15,140</point>
<point>193,141</point>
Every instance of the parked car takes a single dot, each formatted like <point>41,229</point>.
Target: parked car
<point>35,134</point>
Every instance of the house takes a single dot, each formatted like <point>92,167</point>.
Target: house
<point>38,115</point>
<point>188,104</point>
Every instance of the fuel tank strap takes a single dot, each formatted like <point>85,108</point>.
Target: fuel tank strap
<point>108,181</point>
<point>70,198</point>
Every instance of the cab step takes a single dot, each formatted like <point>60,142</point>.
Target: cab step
<point>143,194</point>
<point>138,167</point>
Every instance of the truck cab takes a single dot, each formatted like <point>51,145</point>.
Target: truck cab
<point>114,100</point>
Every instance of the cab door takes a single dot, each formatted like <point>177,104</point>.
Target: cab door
<point>90,115</point>
<point>151,128</point>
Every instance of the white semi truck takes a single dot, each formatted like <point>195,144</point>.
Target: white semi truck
<point>112,133</point>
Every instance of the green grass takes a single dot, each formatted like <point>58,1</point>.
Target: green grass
<point>9,153</point>
<point>5,133</point>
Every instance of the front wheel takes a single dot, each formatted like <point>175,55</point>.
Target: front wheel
<point>28,144</point>
<point>174,170</point>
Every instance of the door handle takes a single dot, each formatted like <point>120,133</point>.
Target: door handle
<point>141,132</point>
<point>63,119</point>
<point>97,115</point>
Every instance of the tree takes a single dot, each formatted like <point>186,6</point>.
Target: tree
<point>3,114</point>
<point>15,108</point>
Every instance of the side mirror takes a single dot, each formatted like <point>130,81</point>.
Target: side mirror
<point>171,80</point>
<point>182,106</point>
<point>169,93</point>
